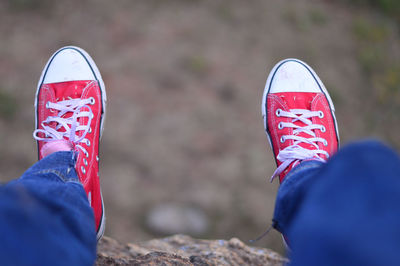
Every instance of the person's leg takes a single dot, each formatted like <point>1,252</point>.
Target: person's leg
<point>45,216</point>
<point>347,212</point>
<point>70,109</point>
<point>291,194</point>
<point>299,120</point>
<point>54,213</point>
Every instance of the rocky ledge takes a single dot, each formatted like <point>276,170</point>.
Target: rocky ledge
<point>184,250</point>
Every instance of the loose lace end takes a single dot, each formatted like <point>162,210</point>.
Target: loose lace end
<point>262,235</point>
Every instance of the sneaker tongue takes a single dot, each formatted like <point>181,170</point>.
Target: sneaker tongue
<point>72,89</point>
<point>296,100</point>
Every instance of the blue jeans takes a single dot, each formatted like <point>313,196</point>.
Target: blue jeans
<point>345,211</point>
<point>45,217</point>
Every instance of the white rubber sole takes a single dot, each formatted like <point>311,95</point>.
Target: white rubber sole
<point>268,85</point>
<point>98,77</point>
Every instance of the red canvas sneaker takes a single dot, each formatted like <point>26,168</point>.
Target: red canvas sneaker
<point>70,108</point>
<point>299,116</point>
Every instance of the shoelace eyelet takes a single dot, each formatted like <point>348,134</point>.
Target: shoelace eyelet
<point>90,130</point>
<point>87,142</point>
<point>85,162</point>
<point>83,170</point>
<point>48,107</point>
<point>323,129</point>
<point>280,125</point>
<point>321,114</point>
<point>97,158</point>
<point>325,143</point>
<point>283,139</point>
<point>278,112</point>
<point>92,100</point>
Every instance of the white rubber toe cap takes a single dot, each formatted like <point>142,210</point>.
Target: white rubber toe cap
<point>293,76</point>
<point>68,64</point>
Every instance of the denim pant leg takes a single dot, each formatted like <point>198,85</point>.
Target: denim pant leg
<point>350,212</point>
<point>45,217</point>
<point>291,193</point>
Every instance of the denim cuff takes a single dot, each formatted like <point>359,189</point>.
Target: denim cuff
<point>61,164</point>
<point>292,192</point>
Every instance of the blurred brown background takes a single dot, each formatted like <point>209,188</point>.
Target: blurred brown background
<point>184,148</point>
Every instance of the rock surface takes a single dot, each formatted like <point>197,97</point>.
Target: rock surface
<point>184,250</point>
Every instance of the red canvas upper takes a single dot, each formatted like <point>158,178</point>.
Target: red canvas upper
<point>300,100</point>
<point>87,164</point>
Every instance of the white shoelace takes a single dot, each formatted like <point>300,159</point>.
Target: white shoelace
<point>295,153</point>
<point>69,124</point>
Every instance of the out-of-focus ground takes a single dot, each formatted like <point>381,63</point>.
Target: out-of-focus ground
<point>184,82</point>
